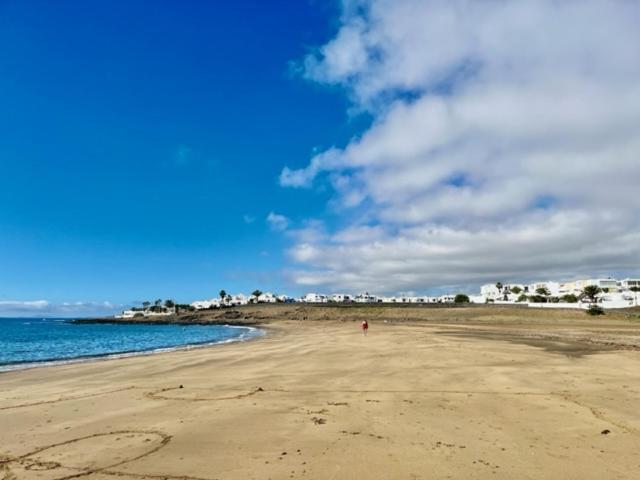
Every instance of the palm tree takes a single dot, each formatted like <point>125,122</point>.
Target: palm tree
<point>499,286</point>
<point>158,302</point>
<point>146,304</point>
<point>543,292</point>
<point>223,295</point>
<point>591,292</point>
<point>256,293</point>
<point>169,303</point>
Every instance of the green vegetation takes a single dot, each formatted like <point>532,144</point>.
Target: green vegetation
<point>523,298</point>
<point>543,291</point>
<point>516,290</point>
<point>591,292</point>
<point>461,298</point>
<point>538,299</point>
<point>595,310</point>
<point>223,295</point>
<point>169,303</point>
<point>569,298</point>
<point>499,286</point>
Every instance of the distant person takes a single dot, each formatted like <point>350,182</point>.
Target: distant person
<point>365,327</point>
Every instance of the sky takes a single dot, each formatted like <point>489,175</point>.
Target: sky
<point>172,149</point>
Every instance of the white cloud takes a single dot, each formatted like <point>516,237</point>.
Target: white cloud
<point>15,308</point>
<point>277,222</point>
<point>28,305</point>
<point>505,143</point>
<point>248,219</point>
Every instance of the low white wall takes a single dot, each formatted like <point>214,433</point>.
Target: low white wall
<point>583,306</point>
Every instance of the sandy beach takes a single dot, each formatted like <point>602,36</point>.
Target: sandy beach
<point>459,393</point>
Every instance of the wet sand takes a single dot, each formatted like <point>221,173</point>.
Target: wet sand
<point>318,400</point>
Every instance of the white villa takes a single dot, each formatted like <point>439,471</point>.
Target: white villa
<point>126,314</point>
<point>314,298</point>
<point>341,297</point>
<point>206,304</point>
<point>366,298</point>
<point>614,293</point>
<point>267,297</point>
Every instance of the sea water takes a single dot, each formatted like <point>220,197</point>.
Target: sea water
<point>29,342</point>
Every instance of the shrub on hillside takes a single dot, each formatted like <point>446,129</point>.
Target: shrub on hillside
<point>595,310</point>
<point>569,298</point>
<point>538,299</point>
<point>461,298</point>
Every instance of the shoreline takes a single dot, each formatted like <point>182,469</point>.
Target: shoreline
<point>263,317</point>
<point>85,359</point>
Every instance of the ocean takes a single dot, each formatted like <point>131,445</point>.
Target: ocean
<point>29,342</point>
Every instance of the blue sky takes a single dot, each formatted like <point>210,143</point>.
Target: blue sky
<point>142,143</point>
<point>171,149</point>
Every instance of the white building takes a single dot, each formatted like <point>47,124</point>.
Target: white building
<point>490,291</point>
<point>552,287</point>
<point>314,298</point>
<point>629,283</point>
<point>237,300</point>
<point>366,298</point>
<point>128,314</point>
<point>285,299</point>
<point>606,284</point>
<point>614,293</point>
<point>446,298</point>
<point>341,298</point>
<point>206,304</point>
<point>267,297</point>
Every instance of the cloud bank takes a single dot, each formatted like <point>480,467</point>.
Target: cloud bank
<point>505,144</point>
<point>44,308</point>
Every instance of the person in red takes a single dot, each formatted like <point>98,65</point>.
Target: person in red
<point>365,327</point>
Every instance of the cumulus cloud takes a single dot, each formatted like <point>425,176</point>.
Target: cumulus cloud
<point>505,143</point>
<point>277,222</point>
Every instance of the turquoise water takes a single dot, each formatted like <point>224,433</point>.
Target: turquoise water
<point>26,342</point>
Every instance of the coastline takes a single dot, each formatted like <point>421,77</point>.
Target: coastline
<point>255,333</point>
<point>315,399</point>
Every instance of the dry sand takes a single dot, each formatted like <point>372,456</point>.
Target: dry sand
<point>465,394</point>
